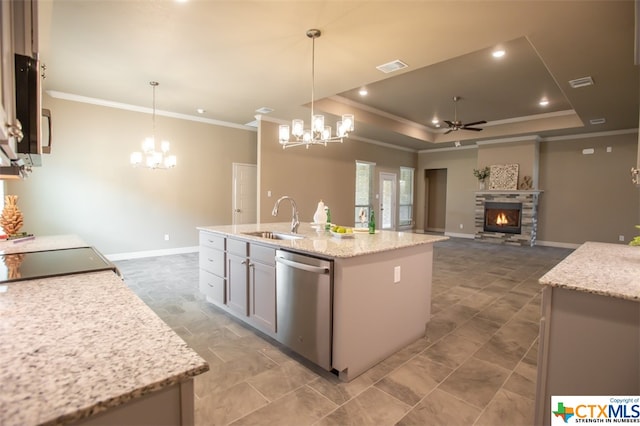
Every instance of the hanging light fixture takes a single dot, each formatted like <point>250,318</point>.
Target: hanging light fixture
<point>154,159</point>
<point>318,134</point>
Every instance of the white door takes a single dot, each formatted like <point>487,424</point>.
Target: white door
<point>387,218</point>
<point>244,193</point>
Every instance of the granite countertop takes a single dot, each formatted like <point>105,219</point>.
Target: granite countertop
<point>76,345</point>
<point>599,268</point>
<point>321,242</point>
<point>41,243</point>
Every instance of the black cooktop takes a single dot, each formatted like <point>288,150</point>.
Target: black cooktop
<point>52,263</point>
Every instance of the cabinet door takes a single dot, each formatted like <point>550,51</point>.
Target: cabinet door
<point>212,286</point>
<point>212,260</point>
<point>237,280</point>
<point>262,283</point>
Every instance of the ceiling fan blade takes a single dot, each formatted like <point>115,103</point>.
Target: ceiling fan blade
<point>448,131</point>
<point>475,122</point>
<point>449,123</point>
<point>475,129</point>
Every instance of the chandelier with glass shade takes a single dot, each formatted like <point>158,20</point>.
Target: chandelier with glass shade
<point>318,133</point>
<point>154,159</point>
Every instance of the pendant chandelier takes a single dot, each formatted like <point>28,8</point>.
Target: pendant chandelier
<point>154,159</point>
<point>318,134</point>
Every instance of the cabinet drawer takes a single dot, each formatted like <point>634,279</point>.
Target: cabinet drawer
<point>212,240</point>
<point>212,260</point>
<point>262,254</point>
<point>212,286</point>
<point>237,247</point>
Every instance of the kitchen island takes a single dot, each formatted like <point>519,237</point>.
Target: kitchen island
<point>84,349</point>
<point>590,326</point>
<point>381,285</point>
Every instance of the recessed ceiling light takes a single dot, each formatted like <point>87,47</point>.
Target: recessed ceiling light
<point>498,53</point>
<point>363,92</point>
<point>581,82</point>
<point>392,66</point>
<point>264,110</point>
<point>201,111</point>
<point>544,102</point>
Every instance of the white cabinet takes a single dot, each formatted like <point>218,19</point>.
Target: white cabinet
<point>262,287</point>
<point>237,276</point>
<point>212,267</point>
<point>240,277</point>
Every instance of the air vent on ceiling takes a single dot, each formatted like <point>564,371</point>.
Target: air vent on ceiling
<point>581,82</point>
<point>597,121</point>
<point>253,123</point>
<point>264,110</point>
<point>392,66</point>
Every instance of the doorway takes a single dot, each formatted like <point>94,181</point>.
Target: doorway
<point>244,193</point>
<point>387,201</point>
<point>435,200</point>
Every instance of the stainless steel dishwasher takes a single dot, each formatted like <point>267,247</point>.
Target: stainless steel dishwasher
<point>304,305</point>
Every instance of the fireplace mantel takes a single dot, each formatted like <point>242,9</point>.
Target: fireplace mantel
<point>505,191</point>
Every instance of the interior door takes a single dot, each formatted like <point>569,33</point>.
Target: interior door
<point>435,209</point>
<point>387,218</point>
<point>244,193</point>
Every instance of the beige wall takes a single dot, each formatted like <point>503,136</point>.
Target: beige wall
<point>588,197</point>
<point>88,188</point>
<point>523,153</point>
<point>326,173</point>
<point>584,198</point>
<point>461,186</point>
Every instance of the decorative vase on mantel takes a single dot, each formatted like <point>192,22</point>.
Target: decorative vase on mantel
<point>481,182</point>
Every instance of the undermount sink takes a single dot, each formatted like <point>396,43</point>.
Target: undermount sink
<point>274,235</point>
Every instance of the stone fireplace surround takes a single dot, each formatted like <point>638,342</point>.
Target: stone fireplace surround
<point>529,221</point>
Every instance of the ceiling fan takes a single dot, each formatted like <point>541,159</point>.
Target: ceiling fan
<point>459,125</point>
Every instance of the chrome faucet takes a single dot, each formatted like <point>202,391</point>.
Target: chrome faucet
<point>294,212</point>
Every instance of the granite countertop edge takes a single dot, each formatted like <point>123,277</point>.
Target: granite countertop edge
<point>605,269</point>
<point>322,243</point>
<point>104,405</point>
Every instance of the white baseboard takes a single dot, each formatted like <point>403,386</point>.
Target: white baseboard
<point>458,235</point>
<point>151,253</point>
<point>559,245</point>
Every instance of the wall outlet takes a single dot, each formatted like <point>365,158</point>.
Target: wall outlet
<point>609,149</point>
<point>461,226</point>
<point>269,194</point>
<point>166,237</point>
<point>620,237</point>
<point>396,274</point>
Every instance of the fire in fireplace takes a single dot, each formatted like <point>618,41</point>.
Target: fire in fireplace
<point>502,217</point>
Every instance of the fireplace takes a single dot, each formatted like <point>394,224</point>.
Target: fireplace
<point>502,217</point>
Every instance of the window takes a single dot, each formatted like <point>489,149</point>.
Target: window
<point>364,193</point>
<point>406,196</point>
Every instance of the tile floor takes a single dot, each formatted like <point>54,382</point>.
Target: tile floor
<point>476,365</point>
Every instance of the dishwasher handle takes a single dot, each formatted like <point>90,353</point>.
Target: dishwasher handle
<point>303,266</point>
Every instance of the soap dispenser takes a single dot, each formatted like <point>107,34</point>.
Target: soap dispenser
<point>320,216</point>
